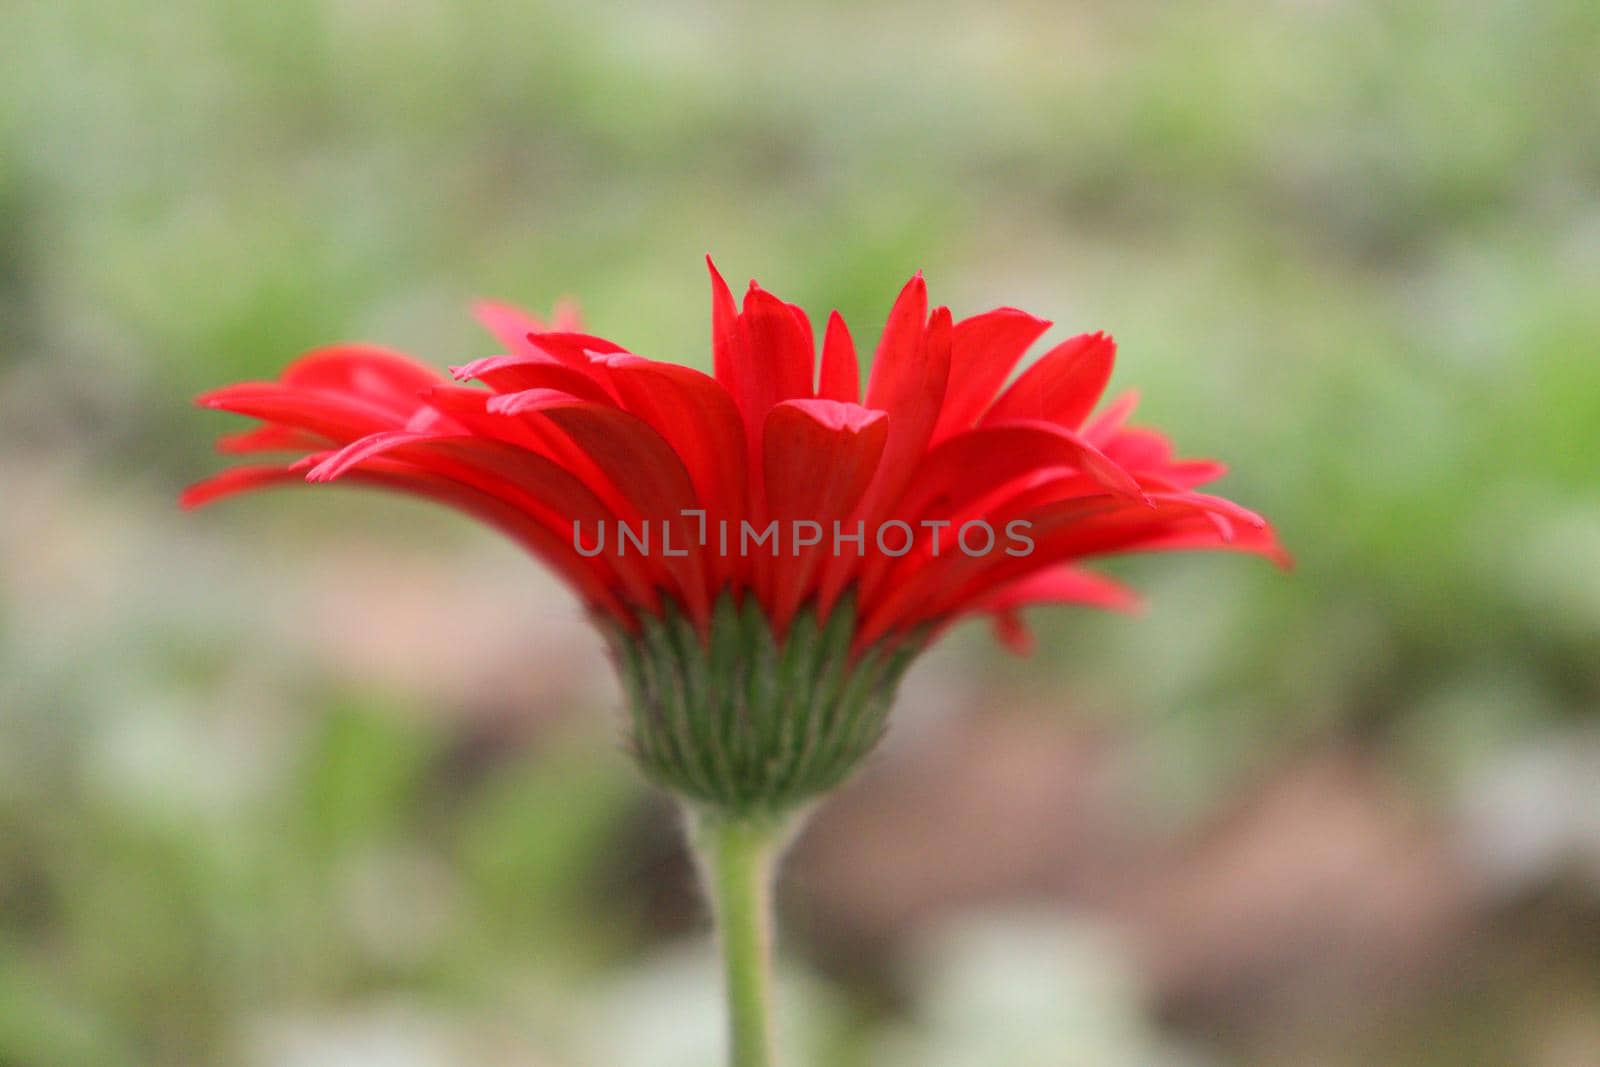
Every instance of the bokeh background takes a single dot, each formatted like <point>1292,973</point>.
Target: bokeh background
<point>324,779</point>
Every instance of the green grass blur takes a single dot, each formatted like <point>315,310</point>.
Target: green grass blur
<point>321,779</point>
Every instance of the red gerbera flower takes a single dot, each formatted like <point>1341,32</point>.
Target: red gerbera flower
<point>765,547</point>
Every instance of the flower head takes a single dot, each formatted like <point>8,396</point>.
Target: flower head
<point>765,547</point>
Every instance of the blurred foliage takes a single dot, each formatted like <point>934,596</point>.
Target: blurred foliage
<point>1353,248</point>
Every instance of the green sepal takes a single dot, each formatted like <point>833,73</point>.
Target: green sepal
<point>740,722</point>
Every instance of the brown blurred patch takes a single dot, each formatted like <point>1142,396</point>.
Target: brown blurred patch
<point>446,629</point>
<point>1318,898</point>
<point>979,810</point>
<point>1324,894</point>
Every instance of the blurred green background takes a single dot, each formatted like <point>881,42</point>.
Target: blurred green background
<point>323,779</point>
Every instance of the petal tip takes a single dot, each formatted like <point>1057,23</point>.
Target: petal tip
<point>215,399</point>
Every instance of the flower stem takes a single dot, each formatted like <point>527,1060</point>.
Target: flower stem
<point>737,856</point>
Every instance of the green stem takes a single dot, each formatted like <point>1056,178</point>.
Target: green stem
<point>737,857</point>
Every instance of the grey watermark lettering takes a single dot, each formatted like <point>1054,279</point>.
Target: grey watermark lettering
<point>796,537</point>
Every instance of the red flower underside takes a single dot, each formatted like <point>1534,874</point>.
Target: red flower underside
<point>568,434</point>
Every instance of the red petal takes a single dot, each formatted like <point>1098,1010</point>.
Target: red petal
<point>1059,584</point>
<point>271,438</point>
<point>820,457</point>
<point>1063,386</point>
<point>358,452</point>
<point>1062,584</point>
<point>526,337</point>
<point>698,419</point>
<point>646,470</point>
<point>778,360</point>
<point>514,374</point>
<point>535,400</point>
<point>912,390</point>
<point>566,316</point>
<point>575,349</point>
<point>841,377</point>
<point>339,416</point>
<point>726,343</point>
<point>803,321</point>
<point>1139,449</point>
<point>380,376</point>
<point>235,480</point>
<point>935,589</point>
<point>469,408</point>
<point>912,395</point>
<point>1214,505</point>
<point>978,464</point>
<point>980,461</point>
<point>983,351</point>
<point>1259,542</point>
<point>1012,632</point>
<point>1074,529</point>
<point>1188,473</point>
<point>544,492</point>
<point>899,368</point>
<point>1149,455</point>
<point>510,326</point>
<point>1106,424</point>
